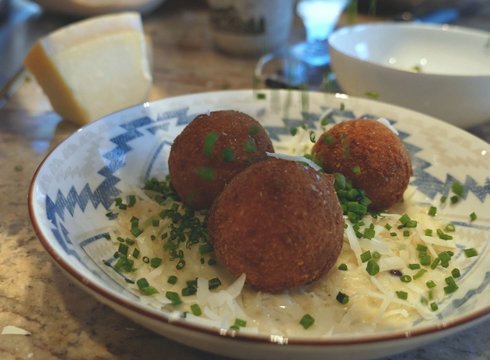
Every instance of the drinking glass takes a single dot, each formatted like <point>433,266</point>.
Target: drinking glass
<point>306,64</point>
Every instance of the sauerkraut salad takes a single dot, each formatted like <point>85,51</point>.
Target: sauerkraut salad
<point>395,268</point>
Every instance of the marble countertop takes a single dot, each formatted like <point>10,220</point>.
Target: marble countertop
<point>63,322</point>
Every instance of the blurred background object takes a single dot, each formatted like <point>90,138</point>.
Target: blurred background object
<point>319,18</point>
<point>97,7</point>
<point>412,9</point>
<point>438,70</point>
<point>4,8</point>
<point>250,27</point>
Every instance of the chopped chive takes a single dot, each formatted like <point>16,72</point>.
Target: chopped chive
<point>425,259</point>
<point>146,259</point>
<point>430,284</point>
<point>325,121</point>
<point>188,291</point>
<point>433,306</point>
<point>131,200</point>
<point>214,283</point>
<point>376,255</point>
<point>365,256</point>
<point>432,211</point>
<point>342,298</point>
<point>250,146</point>
<point>450,228</point>
<point>406,233</point>
<point>145,287</point>
<point>406,278</point>
<point>473,216</point>
<point>388,227</point>
<point>471,252</point>
<point>457,188</point>
<point>196,310</point>
<point>209,142</point>
<point>172,279</point>
<point>413,266</point>
<point>180,265</point>
<point>342,267</point>
<point>155,222</point>
<point>173,297</point>
<point>124,264</point>
<point>393,234</point>
<point>205,248</point>
<point>356,170</point>
<point>434,263</point>
<point>443,199</point>
<point>253,130</point>
<point>261,96</point>
<point>328,139</point>
<point>451,285</point>
<point>372,267</point>
<point>445,256</point>
<point>307,321</point>
<point>135,230</point>
<point>123,249</point>
<point>136,253</point>
<point>369,233</point>
<point>312,136</point>
<point>155,262</point>
<point>454,199</point>
<point>206,173</point>
<point>442,235</point>
<point>419,274</point>
<point>428,232</point>
<point>455,273</point>
<point>293,131</point>
<point>402,295</point>
<point>228,155</point>
<point>421,247</point>
<point>240,322</point>
<point>142,283</point>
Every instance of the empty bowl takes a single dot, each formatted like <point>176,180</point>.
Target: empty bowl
<point>440,70</point>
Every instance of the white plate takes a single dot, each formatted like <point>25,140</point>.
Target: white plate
<point>77,182</point>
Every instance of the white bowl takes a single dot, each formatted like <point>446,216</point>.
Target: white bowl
<point>77,183</point>
<point>440,70</point>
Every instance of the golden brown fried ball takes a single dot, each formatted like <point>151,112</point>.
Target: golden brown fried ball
<point>211,150</point>
<point>279,222</point>
<point>369,154</point>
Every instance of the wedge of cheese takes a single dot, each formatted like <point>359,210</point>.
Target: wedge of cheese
<point>93,67</point>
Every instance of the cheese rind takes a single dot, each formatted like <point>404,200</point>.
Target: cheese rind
<point>93,67</point>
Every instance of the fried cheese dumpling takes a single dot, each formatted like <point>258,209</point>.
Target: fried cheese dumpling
<point>279,222</point>
<point>212,149</point>
<point>371,155</point>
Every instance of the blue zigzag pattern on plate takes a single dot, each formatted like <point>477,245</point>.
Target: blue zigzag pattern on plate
<point>106,191</point>
<point>432,186</point>
<point>309,119</point>
<point>155,156</point>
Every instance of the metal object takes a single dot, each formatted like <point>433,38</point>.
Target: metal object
<point>20,26</point>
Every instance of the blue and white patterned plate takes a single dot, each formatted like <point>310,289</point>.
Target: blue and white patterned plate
<point>77,183</point>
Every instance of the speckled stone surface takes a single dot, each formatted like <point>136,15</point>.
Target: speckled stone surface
<point>63,321</point>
